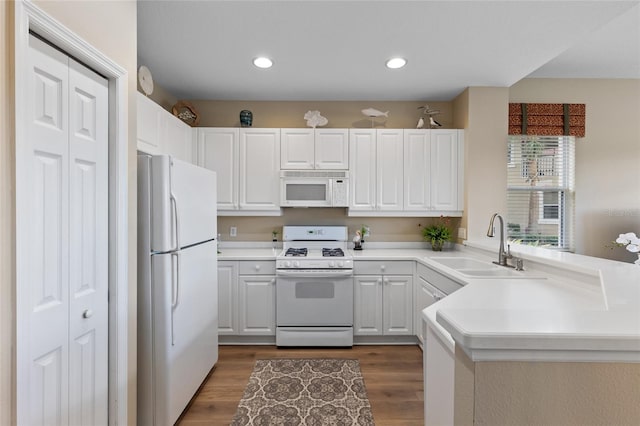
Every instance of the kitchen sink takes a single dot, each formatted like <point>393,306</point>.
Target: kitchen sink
<point>474,268</point>
<point>496,272</point>
<point>463,263</point>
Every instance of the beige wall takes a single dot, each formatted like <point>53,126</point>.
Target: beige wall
<point>403,229</point>
<point>402,114</point>
<point>485,177</point>
<point>607,158</point>
<point>7,219</point>
<point>111,27</point>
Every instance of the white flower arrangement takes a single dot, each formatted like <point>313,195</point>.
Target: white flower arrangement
<point>631,242</point>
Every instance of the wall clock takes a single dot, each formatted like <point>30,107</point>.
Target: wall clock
<point>145,79</point>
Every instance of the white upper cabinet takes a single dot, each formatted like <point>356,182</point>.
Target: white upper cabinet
<point>389,166</point>
<point>149,126</point>
<point>376,170</point>
<point>446,170</point>
<point>247,162</point>
<point>417,169</point>
<point>332,149</point>
<point>307,149</point>
<point>160,132</point>
<point>297,149</point>
<point>362,169</point>
<point>218,149</point>
<point>259,169</point>
<point>176,137</point>
<point>433,171</point>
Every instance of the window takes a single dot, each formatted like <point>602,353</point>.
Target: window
<point>540,190</point>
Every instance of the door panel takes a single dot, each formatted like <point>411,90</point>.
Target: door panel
<point>367,311</point>
<point>88,214</point>
<point>43,247</point>
<point>62,235</point>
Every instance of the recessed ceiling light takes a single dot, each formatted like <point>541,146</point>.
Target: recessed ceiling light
<point>262,62</point>
<point>395,63</point>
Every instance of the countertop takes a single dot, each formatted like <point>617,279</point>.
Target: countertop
<point>585,308</point>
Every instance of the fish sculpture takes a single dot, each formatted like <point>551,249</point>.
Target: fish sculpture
<point>315,119</point>
<point>372,112</point>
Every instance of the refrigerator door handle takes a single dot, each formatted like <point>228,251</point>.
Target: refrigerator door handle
<point>175,289</point>
<point>176,222</point>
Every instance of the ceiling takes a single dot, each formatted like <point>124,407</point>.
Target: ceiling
<point>336,50</point>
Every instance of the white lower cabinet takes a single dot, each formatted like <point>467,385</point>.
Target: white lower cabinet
<point>426,295</point>
<point>431,286</point>
<point>257,302</point>
<point>247,298</point>
<point>383,303</point>
<point>227,297</point>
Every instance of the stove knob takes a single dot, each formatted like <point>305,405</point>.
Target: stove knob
<point>287,264</point>
<point>296,264</point>
<point>332,264</point>
<point>340,264</point>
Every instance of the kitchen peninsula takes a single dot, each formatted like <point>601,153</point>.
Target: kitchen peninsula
<point>561,337</point>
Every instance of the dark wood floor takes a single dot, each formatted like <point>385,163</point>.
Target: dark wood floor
<point>392,375</point>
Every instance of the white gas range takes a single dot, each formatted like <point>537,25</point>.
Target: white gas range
<point>314,287</point>
<point>313,248</point>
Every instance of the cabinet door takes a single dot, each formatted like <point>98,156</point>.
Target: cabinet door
<point>444,169</point>
<point>296,146</point>
<point>259,169</point>
<point>362,169</point>
<point>148,122</point>
<point>256,304</point>
<point>176,137</point>
<point>227,298</point>
<point>332,149</point>
<point>426,295</point>
<point>397,312</point>
<point>389,170</point>
<point>218,150</point>
<point>417,164</point>
<point>367,310</point>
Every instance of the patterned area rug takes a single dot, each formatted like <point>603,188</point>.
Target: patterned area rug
<point>309,392</point>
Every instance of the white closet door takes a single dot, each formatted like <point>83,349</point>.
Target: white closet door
<point>61,238</point>
<point>88,201</point>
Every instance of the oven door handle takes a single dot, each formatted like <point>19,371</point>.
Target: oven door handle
<point>313,274</point>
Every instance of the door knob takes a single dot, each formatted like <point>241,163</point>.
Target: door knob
<point>88,313</point>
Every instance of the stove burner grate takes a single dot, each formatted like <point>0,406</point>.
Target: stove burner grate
<point>332,252</point>
<point>298,252</point>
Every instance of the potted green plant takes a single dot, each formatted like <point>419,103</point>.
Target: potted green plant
<point>437,234</point>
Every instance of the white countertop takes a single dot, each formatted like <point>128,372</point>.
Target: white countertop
<point>586,308</point>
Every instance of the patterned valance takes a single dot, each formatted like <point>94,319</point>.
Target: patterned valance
<point>547,119</point>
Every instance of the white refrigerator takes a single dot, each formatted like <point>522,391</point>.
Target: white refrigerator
<point>177,285</point>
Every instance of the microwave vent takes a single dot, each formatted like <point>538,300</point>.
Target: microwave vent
<point>339,174</point>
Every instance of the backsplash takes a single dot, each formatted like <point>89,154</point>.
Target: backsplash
<point>383,229</point>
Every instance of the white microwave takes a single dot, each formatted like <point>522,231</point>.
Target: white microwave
<point>314,188</point>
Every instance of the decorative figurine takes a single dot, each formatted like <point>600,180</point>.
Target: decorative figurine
<point>315,119</point>
<point>357,241</point>
<point>246,118</point>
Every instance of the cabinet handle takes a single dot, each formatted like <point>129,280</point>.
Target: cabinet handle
<point>379,281</point>
<point>383,267</point>
<point>385,280</point>
<point>273,281</point>
<point>257,267</point>
<point>88,313</point>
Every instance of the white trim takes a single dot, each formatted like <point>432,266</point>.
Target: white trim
<point>29,17</point>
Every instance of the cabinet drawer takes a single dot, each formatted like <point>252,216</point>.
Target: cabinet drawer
<point>438,280</point>
<point>374,267</point>
<point>257,267</point>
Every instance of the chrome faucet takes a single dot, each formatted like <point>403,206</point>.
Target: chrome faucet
<point>502,254</point>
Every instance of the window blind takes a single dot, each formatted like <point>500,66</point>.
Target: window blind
<point>540,190</point>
